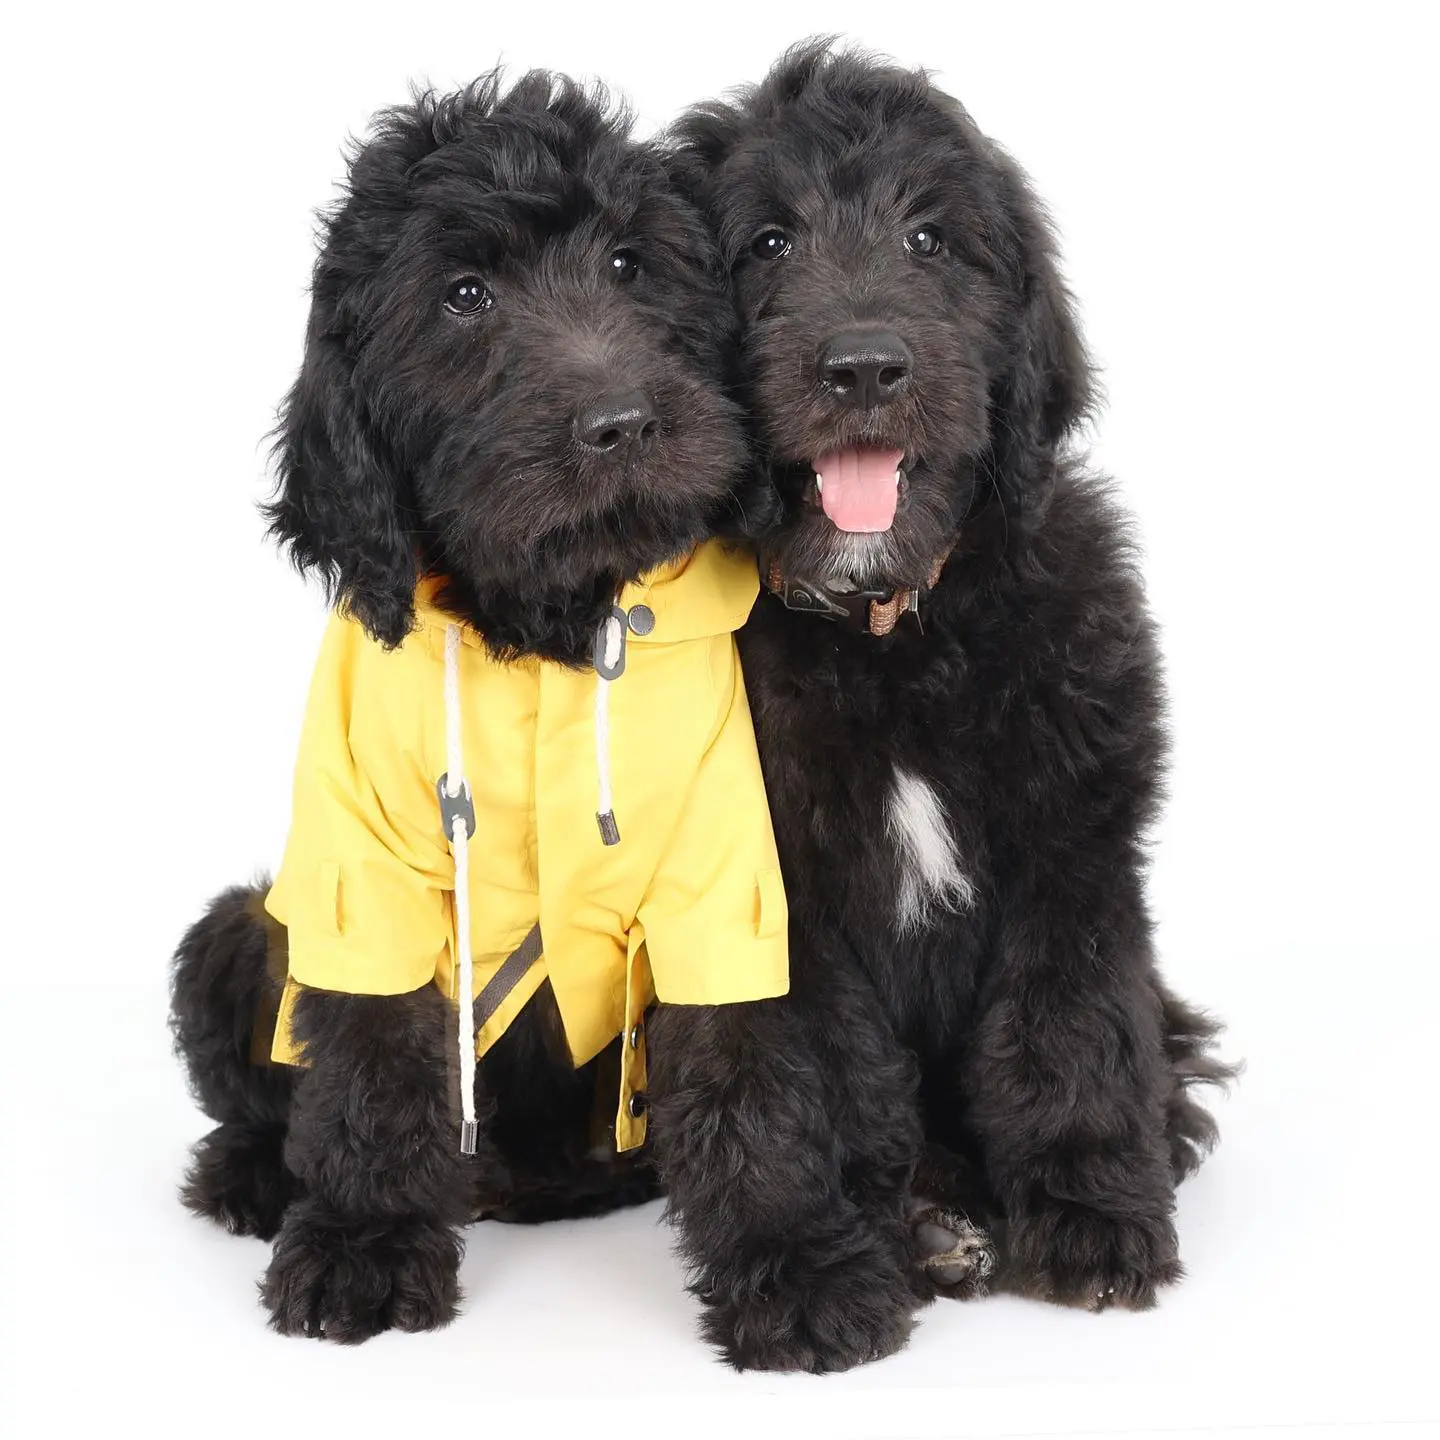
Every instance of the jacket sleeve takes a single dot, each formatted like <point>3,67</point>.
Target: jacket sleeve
<point>363,889</point>
<point>715,918</point>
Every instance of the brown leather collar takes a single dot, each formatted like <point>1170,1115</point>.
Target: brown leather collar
<point>867,612</point>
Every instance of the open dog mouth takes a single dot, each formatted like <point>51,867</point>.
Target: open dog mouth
<point>858,487</point>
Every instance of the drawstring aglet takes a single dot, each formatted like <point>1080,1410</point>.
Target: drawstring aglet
<point>469,1135</point>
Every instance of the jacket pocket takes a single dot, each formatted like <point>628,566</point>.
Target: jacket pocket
<point>771,911</point>
<point>329,899</point>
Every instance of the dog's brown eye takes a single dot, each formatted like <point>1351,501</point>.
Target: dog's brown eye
<point>924,242</point>
<point>468,295</point>
<point>770,245</point>
<point>624,266</point>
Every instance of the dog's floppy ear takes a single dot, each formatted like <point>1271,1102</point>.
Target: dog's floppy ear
<point>339,506</point>
<point>1047,387</point>
<point>692,150</point>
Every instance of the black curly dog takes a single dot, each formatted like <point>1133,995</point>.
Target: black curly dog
<point>977,1033</point>
<point>977,1040</point>
<point>512,378</point>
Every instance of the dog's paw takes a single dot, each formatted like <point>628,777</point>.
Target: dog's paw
<point>790,1316</point>
<point>1070,1255</point>
<point>346,1280</point>
<point>956,1256</point>
<point>238,1179</point>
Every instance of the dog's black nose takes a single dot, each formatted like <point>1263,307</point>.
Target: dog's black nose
<point>865,368</point>
<point>615,422</point>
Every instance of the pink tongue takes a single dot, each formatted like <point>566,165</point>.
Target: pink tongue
<point>859,488</point>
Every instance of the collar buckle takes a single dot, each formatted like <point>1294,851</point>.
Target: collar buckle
<point>865,612</point>
<point>848,608</point>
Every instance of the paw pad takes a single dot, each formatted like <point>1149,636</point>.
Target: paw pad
<point>956,1254</point>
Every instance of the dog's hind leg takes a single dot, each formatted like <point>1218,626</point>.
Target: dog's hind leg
<point>601,1185</point>
<point>224,989</point>
<point>954,1224</point>
<point>553,1128</point>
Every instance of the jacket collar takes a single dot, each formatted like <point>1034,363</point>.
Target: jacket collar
<point>709,591</point>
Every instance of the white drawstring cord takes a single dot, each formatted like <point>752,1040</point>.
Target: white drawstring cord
<point>455,785</point>
<point>613,632</point>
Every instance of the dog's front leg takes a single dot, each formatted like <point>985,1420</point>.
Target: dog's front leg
<point>1067,1086</point>
<point>374,1244</point>
<point>785,1132</point>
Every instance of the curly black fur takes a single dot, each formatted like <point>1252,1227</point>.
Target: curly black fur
<point>421,440</point>
<point>223,988</point>
<point>1016,1021</point>
<point>785,1132</point>
<point>417,439</point>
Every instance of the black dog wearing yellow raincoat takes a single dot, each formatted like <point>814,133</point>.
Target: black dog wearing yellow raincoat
<point>527,775</point>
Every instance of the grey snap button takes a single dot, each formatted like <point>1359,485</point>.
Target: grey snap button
<point>642,619</point>
<point>635,1033</point>
<point>638,1105</point>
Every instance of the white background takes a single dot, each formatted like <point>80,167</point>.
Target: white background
<point>1246,199</point>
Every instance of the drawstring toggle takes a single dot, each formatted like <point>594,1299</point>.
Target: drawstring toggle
<point>459,806</point>
<point>610,644</point>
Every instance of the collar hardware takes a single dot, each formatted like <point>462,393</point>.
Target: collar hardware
<point>864,612</point>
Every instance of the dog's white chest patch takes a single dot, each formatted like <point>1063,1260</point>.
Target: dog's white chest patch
<point>930,873</point>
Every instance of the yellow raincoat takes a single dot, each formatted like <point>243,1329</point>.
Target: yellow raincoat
<point>688,907</point>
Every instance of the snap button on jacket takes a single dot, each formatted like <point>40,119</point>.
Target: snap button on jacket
<point>688,908</point>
